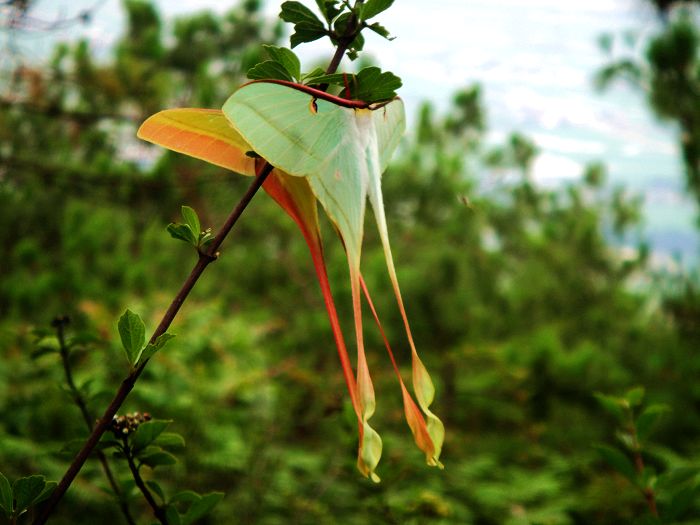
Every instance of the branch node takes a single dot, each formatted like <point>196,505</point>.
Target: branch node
<point>208,257</point>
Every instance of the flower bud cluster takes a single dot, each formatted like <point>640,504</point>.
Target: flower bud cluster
<point>127,424</point>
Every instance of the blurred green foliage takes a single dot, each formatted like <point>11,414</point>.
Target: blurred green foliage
<point>668,73</point>
<point>521,306</point>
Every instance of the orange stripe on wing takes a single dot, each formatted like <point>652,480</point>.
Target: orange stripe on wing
<point>200,133</point>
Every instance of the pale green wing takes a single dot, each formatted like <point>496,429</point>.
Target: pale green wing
<point>312,138</point>
<point>388,128</point>
<point>343,153</point>
<point>390,124</point>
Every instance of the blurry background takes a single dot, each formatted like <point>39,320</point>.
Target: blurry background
<point>544,231</point>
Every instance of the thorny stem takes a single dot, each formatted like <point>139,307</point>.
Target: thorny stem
<point>59,323</point>
<point>205,258</point>
<point>136,473</point>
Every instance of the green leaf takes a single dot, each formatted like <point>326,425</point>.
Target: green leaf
<point>374,85</point>
<point>191,219</point>
<point>306,33</point>
<point>613,405</point>
<point>205,238</point>
<point>5,495</point>
<point>156,488</point>
<point>648,418</point>
<point>307,26</point>
<point>297,13</point>
<point>151,349</point>
<point>133,334</point>
<point>369,85</point>
<point>128,487</point>
<point>635,396</point>
<point>341,23</point>
<point>173,516</point>
<point>328,9</point>
<point>182,232</point>
<point>40,332</point>
<point>676,477</point>
<point>648,478</point>
<point>356,46</point>
<point>201,507</point>
<point>46,345</point>
<point>381,30</point>
<point>618,461</point>
<point>185,496</point>
<point>269,69</point>
<point>681,501</point>
<point>157,459</point>
<point>373,7</point>
<point>287,58</point>
<point>48,489</point>
<point>26,490</point>
<point>146,433</point>
<point>321,78</point>
<point>309,78</point>
<point>627,440</point>
<point>83,339</point>
<point>170,440</point>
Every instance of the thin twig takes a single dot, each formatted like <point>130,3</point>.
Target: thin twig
<point>158,510</point>
<point>648,492</point>
<point>59,323</point>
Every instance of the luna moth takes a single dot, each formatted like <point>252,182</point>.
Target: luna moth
<point>333,150</point>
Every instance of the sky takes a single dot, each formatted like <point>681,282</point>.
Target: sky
<point>535,60</point>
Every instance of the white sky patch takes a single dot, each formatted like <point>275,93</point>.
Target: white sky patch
<point>566,145</point>
<point>631,150</point>
<point>668,198</point>
<point>550,169</point>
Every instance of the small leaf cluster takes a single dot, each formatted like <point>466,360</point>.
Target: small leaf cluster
<point>677,488</point>
<point>18,497</point>
<point>141,440</point>
<point>371,84</point>
<point>191,230</point>
<point>342,23</point>
<point>132,331</point>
